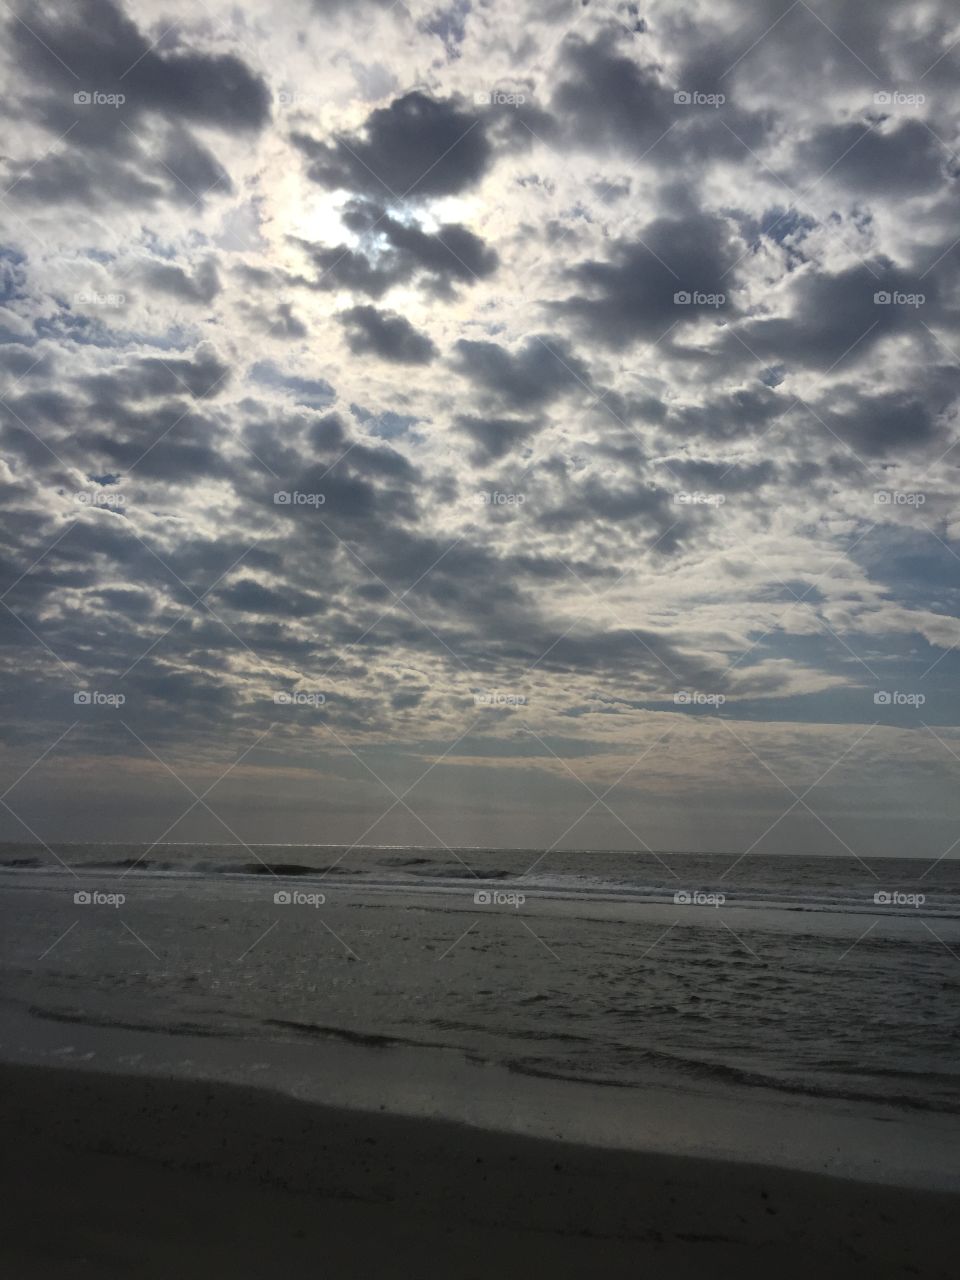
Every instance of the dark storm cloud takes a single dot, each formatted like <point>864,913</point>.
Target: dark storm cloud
<point>632,294</point>
<point>167,445</point>
<point>91,45</point>
<point>18,361</point>
<point>904,160</point>
<point>69,50</point>
<point>140,410</point>
<point>870,424</point>
<point>249,596</point>
<point>417,147</point>
<point>344,268</point>
<point>838,317</point>
<point>725,416</point>
<point>541,370</point>
<point>593,501</point>
<point>407,699</point>
<point>894,422</point>
<point>624,653</point>
<point>368,486</point>
<point>393,252</point>
<point>387,335</point>
<point>192,692</point>
<point>607,96</point>
<point>494,438</point>
<point>611,96</point>
<point>31,422</point>
<point>721,477</point>
<point>73,178</point>
<point>451,253</point>
<point>204,375</point>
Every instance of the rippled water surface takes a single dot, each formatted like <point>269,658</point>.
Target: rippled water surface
<point>796,976</point>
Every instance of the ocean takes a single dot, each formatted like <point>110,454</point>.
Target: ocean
<point>814,976</point>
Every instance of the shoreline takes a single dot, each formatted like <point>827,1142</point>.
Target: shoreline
<point>866,1142</point>
<point>148,1176</point>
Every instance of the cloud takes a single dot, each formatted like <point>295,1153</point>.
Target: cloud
<point>282,323</point>
<point>316,392</point>
<point>650,283</point>
<point>494,438</point>
<point>416,148</point>
<point>204,375</point>
<point>902,160</point>
<point>542,369</point>
<point>825,317</point>
<point>92,46</point>
<point>387,335</point>
<point>618,308</point>
<point>122,105</point>
<point>200,287</point>
<point>607,97</point>
<point>394,252</point>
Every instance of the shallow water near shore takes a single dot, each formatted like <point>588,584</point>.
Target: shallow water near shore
<point>798,983</point>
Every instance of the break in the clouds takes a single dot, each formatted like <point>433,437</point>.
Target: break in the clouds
<point>539,400</point>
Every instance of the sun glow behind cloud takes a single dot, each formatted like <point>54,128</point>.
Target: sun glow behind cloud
<point>520,430</point>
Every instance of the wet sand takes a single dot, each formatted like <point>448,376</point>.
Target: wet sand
<point>106,1175</point>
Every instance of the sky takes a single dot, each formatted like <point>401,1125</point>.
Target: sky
<point>524,424</point>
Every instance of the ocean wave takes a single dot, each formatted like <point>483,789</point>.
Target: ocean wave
<point>724,1073</point>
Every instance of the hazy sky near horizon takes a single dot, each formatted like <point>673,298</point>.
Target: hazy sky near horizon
<point>503,401</point>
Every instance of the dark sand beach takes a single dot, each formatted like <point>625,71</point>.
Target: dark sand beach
<point>144,1177</point>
